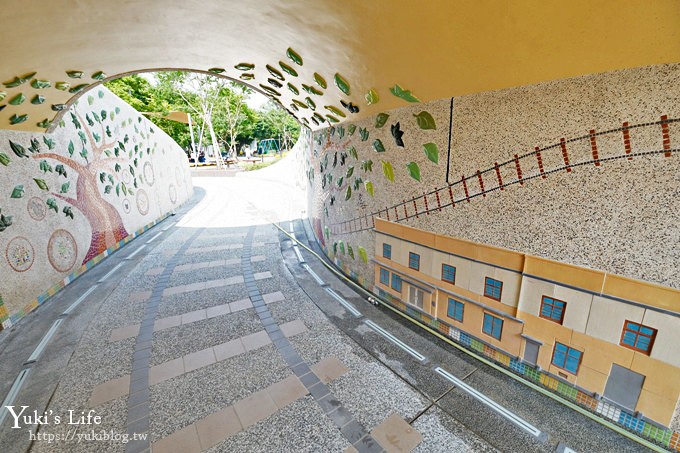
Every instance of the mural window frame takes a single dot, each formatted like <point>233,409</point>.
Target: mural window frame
<point>396,282</point>
<point>490,287</point>
<point>562,361</point>
<point>641,336</point>
<point>449,273</point>
<point>552,309</point>
<point>455,310</point>
<point>492,326</point>
<point>384,277</point>
<point>413,261</point>
<point>387,251</point>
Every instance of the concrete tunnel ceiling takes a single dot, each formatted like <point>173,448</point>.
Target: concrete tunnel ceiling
<point>434,49</point>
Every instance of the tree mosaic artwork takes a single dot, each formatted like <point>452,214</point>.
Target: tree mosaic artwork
<point>102,164</point>
<point>70,197</point>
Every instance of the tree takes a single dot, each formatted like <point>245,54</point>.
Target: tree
<point>156,100</point>
<point>99,159</point>
<point>277,123</point>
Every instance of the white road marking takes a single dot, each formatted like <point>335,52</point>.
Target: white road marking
<point>343,302</point>
<point>78,301</point>
<point>417,355</point>
<point>517,420</point>
<point>110,273</point>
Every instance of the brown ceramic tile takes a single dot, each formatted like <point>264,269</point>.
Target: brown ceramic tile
<point>109,390</point>
<point>286,391</point>
<point>216,427</point>
<point>193,316</point>
<point>396,436</point>
<point>218,310</point>
<point>256,407</point>
<point>183,441</point>
<point>165,371</point>
<point>329,369</point>
<point>155,271</point>
<point>239,305</point>
<point>198,359</point>
<point>229,349</point>
<point>139,296</point>
<point>293,328</point>
<point>262,275</point>
<point>166,323</point>
<point>122,333</point>
<point>255,340</point>
<point>273,297</point>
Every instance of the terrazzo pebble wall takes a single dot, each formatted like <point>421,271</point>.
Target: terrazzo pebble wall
<point>583,171</point>
<point>71,197</point>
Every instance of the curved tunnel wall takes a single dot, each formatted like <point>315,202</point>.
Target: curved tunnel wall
<point>581,171</point>
<point>71,197</point>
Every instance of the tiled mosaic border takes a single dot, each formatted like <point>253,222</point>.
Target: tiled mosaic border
<point>8,321</point>
<point>644,428</point>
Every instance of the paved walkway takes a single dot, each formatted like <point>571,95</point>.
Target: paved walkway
<point>212,336</point>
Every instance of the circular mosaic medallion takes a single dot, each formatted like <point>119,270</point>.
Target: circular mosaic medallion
<point>20,254</point>
<point>36,208</point>
<point>126,206</point>
<point>62,250</point>
<point>126,177</point>
<point>142,202</point>
<point>148,173</point>
<point>173,193</point>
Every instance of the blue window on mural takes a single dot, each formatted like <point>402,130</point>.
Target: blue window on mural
<point>384,276</point>
<point>553,309</point>
<point>493,288</point>
<point>448,273</point>
<point>638,337</point>
<point>493,326</point>
<point>387,251</point>
<point>396,282</point>
<point>414,261</point>
<point>455,310</point>
<point>566,358</point>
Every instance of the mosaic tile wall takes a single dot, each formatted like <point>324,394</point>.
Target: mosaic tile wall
<point>70,198</point>
<point>583,171</point>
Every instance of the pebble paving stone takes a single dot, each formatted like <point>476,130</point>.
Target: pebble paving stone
<point>271,363</point>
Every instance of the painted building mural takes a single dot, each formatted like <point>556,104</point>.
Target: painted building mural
<point>582,173</point>
<point>71,197</point>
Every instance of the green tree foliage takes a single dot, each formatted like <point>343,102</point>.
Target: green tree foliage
<point>273,122</point>
<point>233,122</point>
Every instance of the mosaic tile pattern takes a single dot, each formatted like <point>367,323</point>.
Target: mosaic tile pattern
<point>79,191</point>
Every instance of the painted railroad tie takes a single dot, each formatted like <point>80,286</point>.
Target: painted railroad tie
<point>481,183</point>
<point>540,162</point>
<point>593,146</point>
<point>519,170</point>
<point>467,194</point>
<point>498,175</point>
<point>626,140</point>
<point>565,155</point>
<point>666,135</point>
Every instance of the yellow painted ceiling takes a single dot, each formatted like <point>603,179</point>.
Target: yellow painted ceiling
<point>434,48</point>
